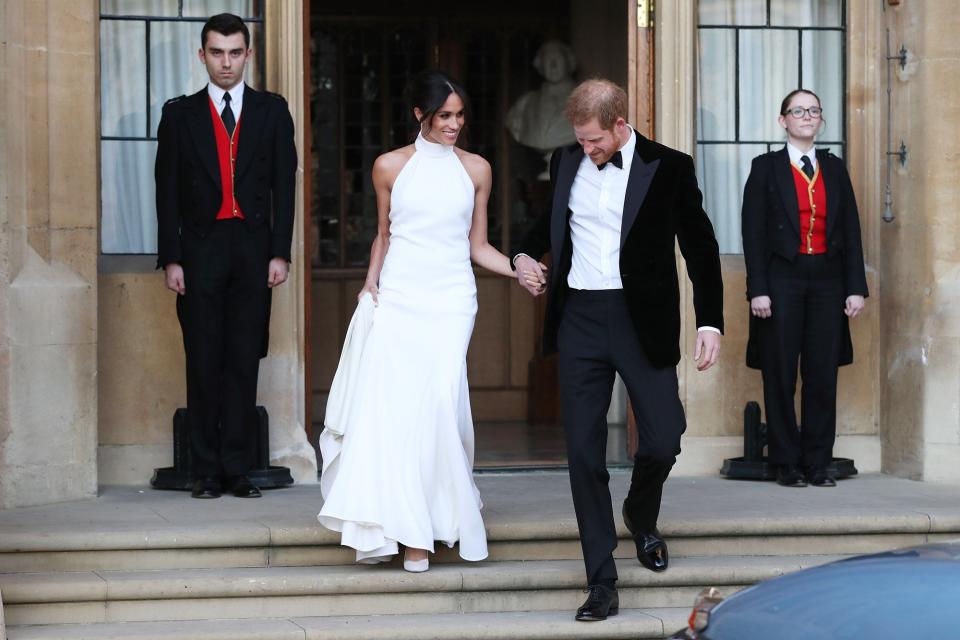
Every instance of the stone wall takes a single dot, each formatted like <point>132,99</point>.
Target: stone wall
<point>48,251</point>
<point>920,320</point>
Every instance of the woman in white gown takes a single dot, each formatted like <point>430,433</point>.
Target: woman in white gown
<point>399,469</point>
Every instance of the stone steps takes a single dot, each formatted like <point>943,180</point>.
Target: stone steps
<point>307,545</point>
<point>275,592</point>
<point>632,624</point>
<point>141,564</point>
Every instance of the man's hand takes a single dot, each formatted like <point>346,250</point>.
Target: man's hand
<point>854,306</point>
<point>708,349</point>
<point>277,272</point>
<point>174,277</point>
<point>760,306</point>
<point>531,275</point>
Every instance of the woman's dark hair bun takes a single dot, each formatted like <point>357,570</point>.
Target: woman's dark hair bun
<point>429,90</point>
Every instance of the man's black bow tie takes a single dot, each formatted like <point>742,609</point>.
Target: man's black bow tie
<point>616,160</point>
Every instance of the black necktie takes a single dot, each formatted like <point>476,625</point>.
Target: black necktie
<point>616,160</point>
<point>807,166</point>
<point>227,115</point>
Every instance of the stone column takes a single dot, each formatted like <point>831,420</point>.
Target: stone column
<point>676,99</point>
<point>48,251</point>
<point>282,374</point>
<point>920,251</point>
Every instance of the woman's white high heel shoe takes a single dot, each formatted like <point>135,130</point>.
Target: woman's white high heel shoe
<point>416,566</point>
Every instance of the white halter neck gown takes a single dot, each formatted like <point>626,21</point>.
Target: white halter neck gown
<point>403,470</point>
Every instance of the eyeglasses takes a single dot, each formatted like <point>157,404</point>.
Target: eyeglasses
<point>797,112</point>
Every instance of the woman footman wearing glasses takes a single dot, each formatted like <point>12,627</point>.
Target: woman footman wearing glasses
<point>805,280</point>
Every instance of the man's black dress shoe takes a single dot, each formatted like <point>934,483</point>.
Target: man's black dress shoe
<point>206,487</point>
<point>241,487</point>
<point>821,477</point>
<point>651,548</point>
<point>601,602</point>
<point>789,475</point>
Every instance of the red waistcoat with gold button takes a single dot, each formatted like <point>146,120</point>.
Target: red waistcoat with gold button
<point>812,201</point>
<point>227,158</point>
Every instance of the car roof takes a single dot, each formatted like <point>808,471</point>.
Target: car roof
<point>905,593</point>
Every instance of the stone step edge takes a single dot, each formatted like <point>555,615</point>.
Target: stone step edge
<point>546,625</point>
<point>236,535</point>
<point>539,575</point>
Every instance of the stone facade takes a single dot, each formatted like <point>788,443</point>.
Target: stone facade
<point>48,252</point>
<point>920,270</point>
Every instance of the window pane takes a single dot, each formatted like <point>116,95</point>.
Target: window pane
<point>138,7</point>
<point>722,170</point>
<point>806,13</point>
<point>175,68</point>
<point>716,75</point>
<point>129,221</point>
<point>822,74</point>
<point>206,8</point>
<point>123,82</point>
<point>325,101</point>
<point>733,12</point>
<point>768,71</point>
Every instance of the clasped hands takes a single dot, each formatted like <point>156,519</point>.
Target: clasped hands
<point>531,275</point>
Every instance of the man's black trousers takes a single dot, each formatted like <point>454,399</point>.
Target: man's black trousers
<point>596,340</point>
<point>224,315</point>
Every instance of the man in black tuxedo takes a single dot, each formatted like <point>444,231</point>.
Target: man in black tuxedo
<point>620,202</point>
<point>226,180</point>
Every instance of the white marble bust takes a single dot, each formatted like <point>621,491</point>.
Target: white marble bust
<point>536,120</point>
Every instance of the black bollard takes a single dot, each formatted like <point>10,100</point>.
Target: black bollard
<point>753,464</point>
<point>754,433</point>
<point>180,475</point>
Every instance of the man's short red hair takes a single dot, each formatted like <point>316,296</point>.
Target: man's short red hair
<point>596,98</point>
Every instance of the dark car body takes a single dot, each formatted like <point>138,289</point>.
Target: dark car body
<point>906,594</point>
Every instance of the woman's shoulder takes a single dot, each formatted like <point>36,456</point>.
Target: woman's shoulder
<point>826,155</point>
<point>476,165</point>
<point>389,164</point>
<point>397,157</point>
<point>767,159</point>
<point>471,159</point>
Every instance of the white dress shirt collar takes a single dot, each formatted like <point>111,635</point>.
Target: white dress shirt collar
<point>628,149</point>
<point>795,155</point>
<point>236,97</point>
